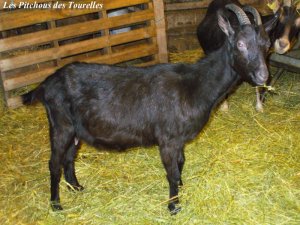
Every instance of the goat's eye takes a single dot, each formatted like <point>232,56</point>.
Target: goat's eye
<point>241,45</point>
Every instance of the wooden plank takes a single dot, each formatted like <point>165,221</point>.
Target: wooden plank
<point>126,55</point>
<point>17,2</point>
<point>152,23</point>
<point>145,64</point>
<point>289,61</point>
<point>6,94</point>
<point>187,5</point>
<point>39,75</point>
<point>59,33</point>
<point>109,4</point>
<point>198,5</point>
<point>20,18</point>
<point>28,78</point>
<point>74,48</point>
<point>158,7</point>
<point>14,102</point>
<point>108,49</point>
<point>55,43</point>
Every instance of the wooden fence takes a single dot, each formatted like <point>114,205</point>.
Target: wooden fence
<point>36,42</point>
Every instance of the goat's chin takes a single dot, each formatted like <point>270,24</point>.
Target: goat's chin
<point>258,83</point>
<point>252,82</point>
<point>280,50</point>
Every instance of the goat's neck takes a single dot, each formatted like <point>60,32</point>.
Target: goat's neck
<point>219,78</point>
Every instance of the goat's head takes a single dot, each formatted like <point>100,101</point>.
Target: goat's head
<point>247,46</point>
<point>287,28</point>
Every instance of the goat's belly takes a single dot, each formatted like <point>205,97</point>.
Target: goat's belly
<point>116,139</point>
<point>121,142</point>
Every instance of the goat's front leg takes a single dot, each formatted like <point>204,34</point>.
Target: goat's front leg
<point>170,154</point>
<point>259,105</point>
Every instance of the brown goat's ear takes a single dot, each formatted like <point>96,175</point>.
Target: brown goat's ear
<point>225,25</point>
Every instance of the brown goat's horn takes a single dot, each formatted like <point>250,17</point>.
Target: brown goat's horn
<point>255,14</point>
<point>241,15</point>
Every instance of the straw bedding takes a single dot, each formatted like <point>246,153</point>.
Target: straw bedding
<point>242,169</point>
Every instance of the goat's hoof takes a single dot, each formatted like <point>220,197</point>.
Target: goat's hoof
<point>76,187</point>
<point>259,108</point>
<point>174,209</point>
<point>180,183</point>
<point>56,206</point>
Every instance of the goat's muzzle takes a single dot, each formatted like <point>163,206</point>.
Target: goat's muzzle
<point>261,75</point>
<point>282,45</point>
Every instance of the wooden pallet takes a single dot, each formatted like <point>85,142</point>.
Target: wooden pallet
<point>35,42</point>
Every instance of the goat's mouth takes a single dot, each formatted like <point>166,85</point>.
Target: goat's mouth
<point>258,79</point>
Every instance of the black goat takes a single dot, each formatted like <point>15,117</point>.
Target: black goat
<point>281,27</point>
<point>165,105</point>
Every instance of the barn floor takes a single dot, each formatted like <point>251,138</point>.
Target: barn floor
<point>242,169</point>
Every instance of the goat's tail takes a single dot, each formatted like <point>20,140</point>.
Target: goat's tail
<point>32,96</point>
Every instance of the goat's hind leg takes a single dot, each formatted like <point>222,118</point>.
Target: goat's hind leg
<point>61,136</point>
<point>69,166</point>
<point>55,165</point>
<point>170,159</point>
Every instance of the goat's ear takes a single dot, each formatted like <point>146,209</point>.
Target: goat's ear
<point>225,25</point>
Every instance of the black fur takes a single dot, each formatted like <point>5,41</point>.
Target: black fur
<point>118,108</point>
